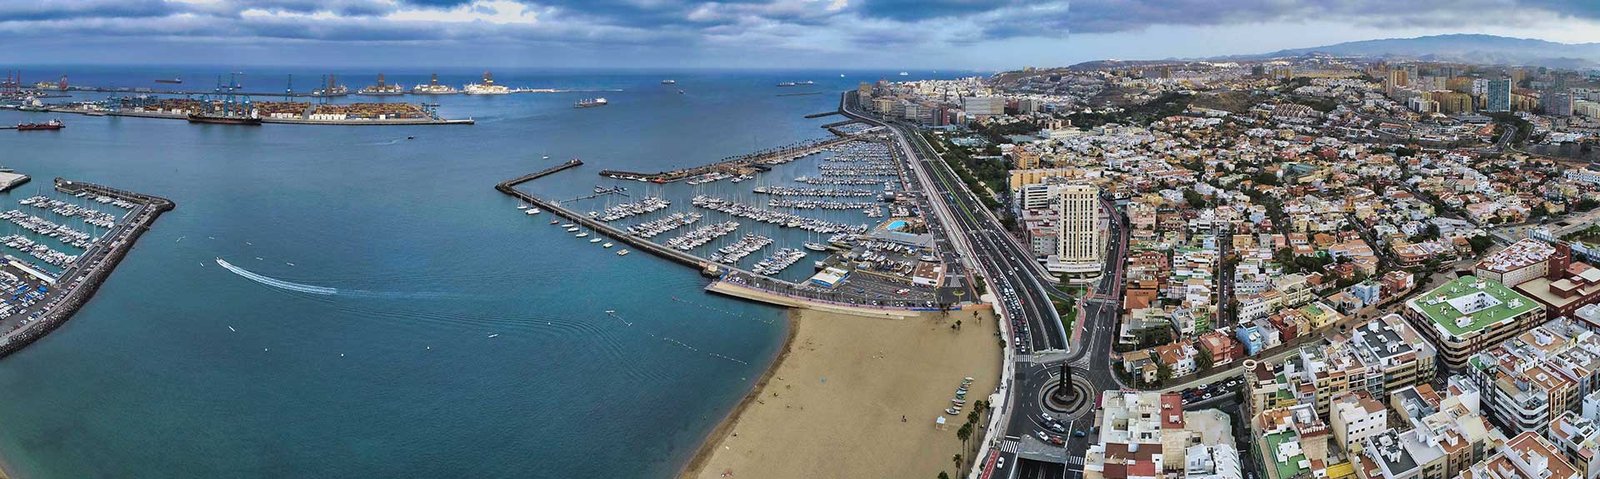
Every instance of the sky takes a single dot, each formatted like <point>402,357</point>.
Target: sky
<point>888,34</point>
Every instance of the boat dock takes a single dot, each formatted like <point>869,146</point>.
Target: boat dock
<point>80,281</point>
<point>9,180</point>
<point>822,114</point>
<point>728,166</point>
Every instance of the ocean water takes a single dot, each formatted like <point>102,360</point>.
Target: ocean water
<point>180,368</point>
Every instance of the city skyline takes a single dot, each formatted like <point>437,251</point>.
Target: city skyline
<point>759,34</point>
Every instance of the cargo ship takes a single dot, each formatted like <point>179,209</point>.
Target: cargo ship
<point>590,103</point>
<point>216,119</point>
<point>49,125</point>
<point>382,89</point>
<point>174,81</point>
<point>433,88</point>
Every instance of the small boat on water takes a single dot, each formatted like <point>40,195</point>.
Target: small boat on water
<point>816,247</point>
<point>554,221</point>
<point>622,253</point>
<point>581,235</point>
<point>595,240</point>
<point>607,245</point>
<point>567,225</point>
<point>531,211</point>
<point>495,335</point>
<point>522,207</point>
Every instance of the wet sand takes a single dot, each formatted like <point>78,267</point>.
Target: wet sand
<point>832,403</point>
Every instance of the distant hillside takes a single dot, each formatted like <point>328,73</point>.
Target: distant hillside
<point>1465,48</point>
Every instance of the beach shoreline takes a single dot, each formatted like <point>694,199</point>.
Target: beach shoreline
<point>881,380</point>
<point>702,454</point>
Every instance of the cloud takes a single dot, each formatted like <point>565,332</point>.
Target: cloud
<point>759,29</point>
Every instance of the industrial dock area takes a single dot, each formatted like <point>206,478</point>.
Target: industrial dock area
<point>818,224</point>
<point>226,104</point>
<point>59,248</point>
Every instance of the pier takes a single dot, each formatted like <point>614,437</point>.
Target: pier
<point>822,114</point>
<point>79,282</point>
<point>725,166</point>
<point>512,183</point>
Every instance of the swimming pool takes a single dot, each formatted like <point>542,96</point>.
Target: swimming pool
<point>896,225</point>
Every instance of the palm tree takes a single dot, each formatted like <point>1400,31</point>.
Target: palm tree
<point>944,475</point>
<point>972,417</point>
<point>957,460</point>
<point>964,434</point>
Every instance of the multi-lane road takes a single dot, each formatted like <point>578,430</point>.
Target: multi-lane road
<point>1024,292</point>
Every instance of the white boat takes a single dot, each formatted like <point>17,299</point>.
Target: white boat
<point>594,240</point>
<point>622,253</point>
<point>530,212</point>
<point>533,211</point>
<point>581,235</point>
<point>522,207</point>
<point>495,335</point>
<point>816,247</point>
<point>607,245</point>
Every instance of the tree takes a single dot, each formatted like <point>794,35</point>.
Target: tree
<point>1163,372</point>
<point>1195,199</point>
<point>972,417</point>
<point>957,460</point>
<point>1202,358</point>
<point>964,433</point>
<point>944,475</point>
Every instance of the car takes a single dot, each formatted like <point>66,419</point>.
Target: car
<point>1000,464</point>
<point>1078,433</point>
<point>1057,440</point>
<point>1042,436</point>
<point>1207,396</point>
<point>1057,427</point>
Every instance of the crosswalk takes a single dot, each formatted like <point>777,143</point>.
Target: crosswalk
<point>1075,460</point>
<point>1010,445</point>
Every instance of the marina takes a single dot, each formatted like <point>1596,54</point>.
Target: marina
<point>40,301</point>
<point>735,222</point>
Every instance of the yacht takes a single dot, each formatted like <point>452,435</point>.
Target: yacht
<point>622,253</point>
<point>595,240</point>
<point>607,245</point>
<point>816,247</point>
<point>582,235</point>
<point>487,87</point>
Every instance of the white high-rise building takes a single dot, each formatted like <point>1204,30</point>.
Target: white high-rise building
<point>1081,247</point>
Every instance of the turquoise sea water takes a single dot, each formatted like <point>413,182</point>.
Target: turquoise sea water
<point>396,376</point>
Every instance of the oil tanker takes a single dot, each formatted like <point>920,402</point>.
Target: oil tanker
<point>49,125</point>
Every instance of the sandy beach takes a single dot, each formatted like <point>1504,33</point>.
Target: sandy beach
<point>831,406</point>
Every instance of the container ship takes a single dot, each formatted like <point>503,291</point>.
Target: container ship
<point>49,125</point>
<point>590,103</point>
<point>487,87</point>
<point>433,88</point>
<point>174,80</point>
<point>382,89</point>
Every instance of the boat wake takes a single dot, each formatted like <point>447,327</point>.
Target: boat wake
<point>327,291</point>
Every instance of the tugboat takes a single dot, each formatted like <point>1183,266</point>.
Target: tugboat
<point>49,125</point>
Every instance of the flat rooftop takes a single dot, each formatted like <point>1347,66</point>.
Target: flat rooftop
<point>1469,304</point>
<point>1517,256</point>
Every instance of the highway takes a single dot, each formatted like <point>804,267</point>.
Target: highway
<point>982,245</point>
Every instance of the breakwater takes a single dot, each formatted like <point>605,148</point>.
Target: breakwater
<point>729,165</point>
<point>80,282</point>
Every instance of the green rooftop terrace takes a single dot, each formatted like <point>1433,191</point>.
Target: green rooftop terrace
<point>1286,469</point>
<point>1482,302</point>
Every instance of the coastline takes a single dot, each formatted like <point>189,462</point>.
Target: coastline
<point>702,454</point>
<point>883,379</point>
